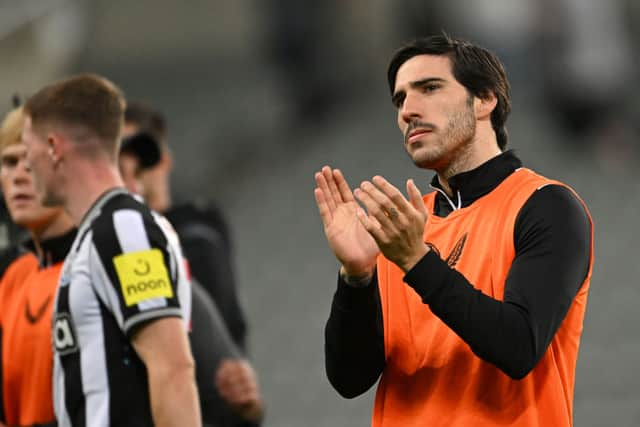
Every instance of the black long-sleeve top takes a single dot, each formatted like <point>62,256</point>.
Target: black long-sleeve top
<point>552,237</point>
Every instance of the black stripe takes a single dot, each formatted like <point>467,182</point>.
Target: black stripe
<point>127,376</point>
<point>74,394</point>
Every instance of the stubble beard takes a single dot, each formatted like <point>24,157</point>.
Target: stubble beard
<point>447,153</point>
<point>50,198</point>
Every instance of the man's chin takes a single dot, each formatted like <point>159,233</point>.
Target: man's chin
<point>424,161</point>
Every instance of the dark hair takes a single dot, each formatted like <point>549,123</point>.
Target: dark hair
<point>477,69</point>
<point>147,118</point>
<point>86,100</point>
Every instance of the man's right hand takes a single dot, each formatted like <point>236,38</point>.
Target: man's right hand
<point>349,240</point>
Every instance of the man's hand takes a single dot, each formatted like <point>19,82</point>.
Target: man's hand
<point>238,386</point>
<point>396,224</point>
<point>349,240</point>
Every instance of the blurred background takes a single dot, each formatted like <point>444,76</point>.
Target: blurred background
<point>261,94</point>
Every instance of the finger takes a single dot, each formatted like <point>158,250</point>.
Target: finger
<point>343,186</point>
<point>325,213</point>
<point>323,185</point>
<point>415,197</point>
<point>375,230</point>
<point>374,208</point>
<point>327,172</point>
<point>394,195</point>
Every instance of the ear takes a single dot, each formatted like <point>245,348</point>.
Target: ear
<point>166,160</point>
<point>484,105</point>
<point>56,146</point>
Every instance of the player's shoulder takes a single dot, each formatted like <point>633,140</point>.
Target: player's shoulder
<point>199,212</point>
<point>123,216</point>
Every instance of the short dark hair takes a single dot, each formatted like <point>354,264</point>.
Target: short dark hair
<point>85,100</point>
<point>147,118</point>
<point>480,71</point>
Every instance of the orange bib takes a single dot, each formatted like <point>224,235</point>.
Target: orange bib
<point>432,378</point>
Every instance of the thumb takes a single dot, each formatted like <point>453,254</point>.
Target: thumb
<point>415,197</point>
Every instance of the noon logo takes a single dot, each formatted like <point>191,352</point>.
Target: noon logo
<point>64,336</point>
<point>142,276</point>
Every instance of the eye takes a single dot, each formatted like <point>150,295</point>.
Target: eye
<point>8,162</point>
<point>398,99</point>
<point>431,87</point>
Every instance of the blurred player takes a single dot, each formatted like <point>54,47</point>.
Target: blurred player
<point>233,399</point>
<point>28,287</point>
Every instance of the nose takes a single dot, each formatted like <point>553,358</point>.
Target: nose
<point>23,170</point>
<point>410,108</point>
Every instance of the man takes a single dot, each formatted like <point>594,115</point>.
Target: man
<point>121,355</point>
<point>467,303</point>
<point>28,288</point>
<point>203,231</point>
<point>227,384</point>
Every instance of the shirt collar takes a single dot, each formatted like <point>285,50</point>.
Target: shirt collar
<point>469,186</point>
<point>54,249</point>
<point>97,205</point>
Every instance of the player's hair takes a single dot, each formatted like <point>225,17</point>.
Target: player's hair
<point>87,102</point>
<point>480,71</point>
<point>148,119</point>
<point>11,128</point>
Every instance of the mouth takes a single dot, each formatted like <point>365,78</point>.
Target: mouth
<point>22,198</point>
<point>416,134</point>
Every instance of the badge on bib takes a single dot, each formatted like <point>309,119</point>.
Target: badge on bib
<point>143,275</point>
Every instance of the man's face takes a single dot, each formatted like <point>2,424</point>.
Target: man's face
<point>435,112</point>
<point>41,164</point>
<point>23,201</point>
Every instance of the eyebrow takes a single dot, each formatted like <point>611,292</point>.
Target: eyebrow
<point>414,85</point>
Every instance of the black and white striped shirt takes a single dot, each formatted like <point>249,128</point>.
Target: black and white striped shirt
<point>124,268</point>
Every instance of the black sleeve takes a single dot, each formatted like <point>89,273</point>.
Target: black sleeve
<point>210,343</point>
<point>552,239</point>
<point>354,340</point>
<point>210,261</point>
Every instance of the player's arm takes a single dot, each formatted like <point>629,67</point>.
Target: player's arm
<point>354,342</point>
<point>211,264</point>
<point>552,238</point>
<point>163,347</point>
<point>138,274</point>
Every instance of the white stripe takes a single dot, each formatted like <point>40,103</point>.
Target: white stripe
<point>85,310</point>
<point>130,230</point>
<point>59,402</point>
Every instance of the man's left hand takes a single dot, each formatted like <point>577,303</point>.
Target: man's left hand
<point>396,224</point>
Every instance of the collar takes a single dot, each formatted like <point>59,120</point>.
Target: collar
<point>98,204</point>
<point>54,249</point>
<point>469,186</point>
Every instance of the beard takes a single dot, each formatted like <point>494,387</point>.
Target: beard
<point>49,197</point>
<point>51,200</point>
<point>449,144</point>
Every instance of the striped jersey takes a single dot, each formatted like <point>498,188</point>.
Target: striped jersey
<point>124,269</point>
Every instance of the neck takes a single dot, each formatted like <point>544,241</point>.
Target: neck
<point>97,178</point>
<point>482,148</point>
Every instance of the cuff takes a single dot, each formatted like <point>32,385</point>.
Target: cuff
<point>347,297</point>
